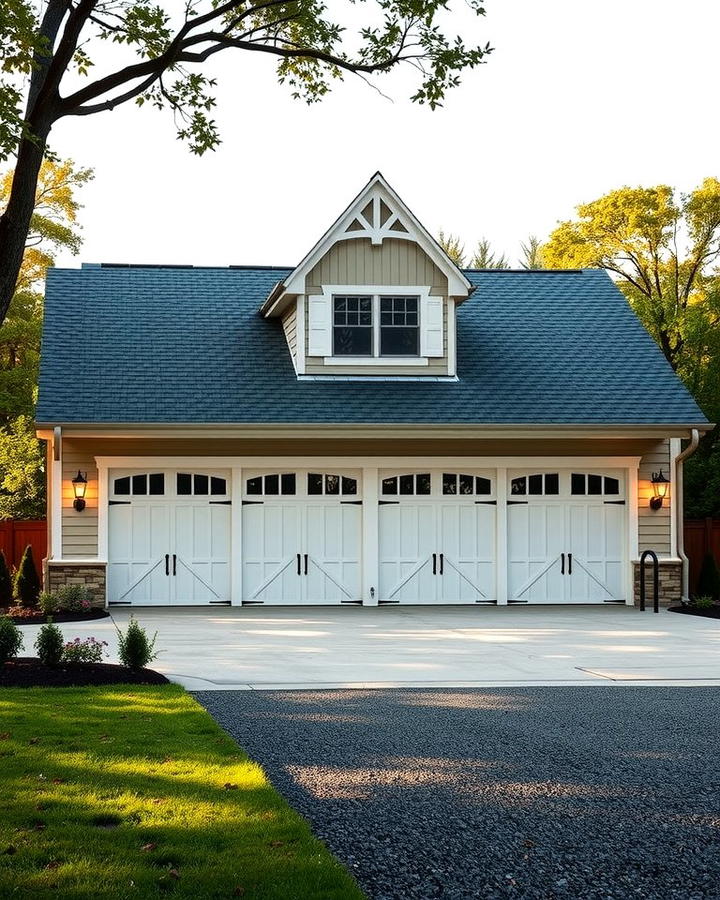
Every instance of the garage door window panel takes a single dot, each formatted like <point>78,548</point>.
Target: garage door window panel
<point>542,484</point>
<point>274,484</point>
<point>458,484</point>
<point>411,484</point>
<point>593,485</point>
<point>139,485</point>
<point>199,484</point>
<point>331,485</point>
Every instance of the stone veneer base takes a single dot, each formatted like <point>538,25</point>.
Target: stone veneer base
<point>92,575</point>
<point>670,582</point>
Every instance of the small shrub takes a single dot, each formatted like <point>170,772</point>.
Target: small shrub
<point>48,603</point>
<point>6,591</point>
<point>49,644</point>
<point>26,588</point>
<point>88,651</point>
<point>703,602</point>
<point>135,648</point>
<point>74,598</point>
<point>709,578</point>
<point>11,639</point>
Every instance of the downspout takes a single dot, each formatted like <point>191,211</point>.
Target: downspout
<point>679,512</point>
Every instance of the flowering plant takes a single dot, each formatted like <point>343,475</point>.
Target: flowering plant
<point>74,598</point>
<point>89,650</point>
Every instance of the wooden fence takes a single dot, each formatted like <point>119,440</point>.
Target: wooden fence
<point>15,536</point>
<point>701,536</point>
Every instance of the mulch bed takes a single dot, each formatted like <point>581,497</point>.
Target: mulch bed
<point>35,617</point>
<point>28,671</point>
<point>712,612</point>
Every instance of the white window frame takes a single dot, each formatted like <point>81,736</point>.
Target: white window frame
<point>375,292</point>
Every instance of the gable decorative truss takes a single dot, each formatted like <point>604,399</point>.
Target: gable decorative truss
<point>377,214</point>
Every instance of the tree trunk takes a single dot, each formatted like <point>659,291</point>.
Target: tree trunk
<point>15,221</point>
<point>39,116</point>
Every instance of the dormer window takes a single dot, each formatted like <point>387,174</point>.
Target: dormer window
<point>399,326</point>
<point>353,326</point>
<point>376,325</point>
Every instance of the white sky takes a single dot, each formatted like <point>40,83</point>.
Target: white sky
<point>577,98</point>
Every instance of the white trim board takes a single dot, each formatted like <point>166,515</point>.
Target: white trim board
<point>377,188</point>
<point>410,463</point>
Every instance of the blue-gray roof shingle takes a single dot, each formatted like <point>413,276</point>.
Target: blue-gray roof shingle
<point>187,345</point>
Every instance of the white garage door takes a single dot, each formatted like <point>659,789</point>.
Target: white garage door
<point>566,537</point>
<point>437,538</point>
<point>168,538</point>
<point>302,534</point>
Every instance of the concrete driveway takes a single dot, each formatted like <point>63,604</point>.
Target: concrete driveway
<point>282,648</point>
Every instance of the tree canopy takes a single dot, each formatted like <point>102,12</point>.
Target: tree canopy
<point>484,257</point>
<point>53,226</point>
<point>663,249</point>
<point>50,52</point>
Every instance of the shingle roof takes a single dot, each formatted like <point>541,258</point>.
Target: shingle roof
<point>186,345</point>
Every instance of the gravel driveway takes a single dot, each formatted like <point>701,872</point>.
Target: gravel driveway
<point>590,792</point>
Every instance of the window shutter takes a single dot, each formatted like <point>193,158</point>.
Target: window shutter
<point>319,326</point>
<point>431,327</point>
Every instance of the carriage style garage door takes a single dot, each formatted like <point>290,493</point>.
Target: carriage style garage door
<point>437,537</point>
<point>168,538</point>
<point>302,537</point>
<point>566,537</point>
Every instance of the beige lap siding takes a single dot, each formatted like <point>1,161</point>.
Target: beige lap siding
<point>79,529</point>
<point>289,323</point>
<point>654,525</point>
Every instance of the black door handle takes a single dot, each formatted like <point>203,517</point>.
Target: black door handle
<point>298,563</point>
<point>562,563</point>
<point>174,564</point>
<point>441,563</point>
<point>306,557</point>
<point>434,563</point>
<point>167,563</point>
<point>569,563</point>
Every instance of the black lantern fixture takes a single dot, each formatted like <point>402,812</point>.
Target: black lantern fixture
<point>79,484</point>
<point>660,488</point>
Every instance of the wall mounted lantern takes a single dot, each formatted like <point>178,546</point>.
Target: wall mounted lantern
<point>79,484</point>
<point>660,488</point>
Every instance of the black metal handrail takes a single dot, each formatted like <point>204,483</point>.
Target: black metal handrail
<point>656,580</point>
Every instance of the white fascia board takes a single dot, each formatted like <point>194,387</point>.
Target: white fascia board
<point>458,284</point>
<point>353,462</point>
<point>374,430</point>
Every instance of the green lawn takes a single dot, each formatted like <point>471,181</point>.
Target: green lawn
<point>136,792</point>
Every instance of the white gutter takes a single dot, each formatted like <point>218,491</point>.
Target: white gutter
<point>679,511</point>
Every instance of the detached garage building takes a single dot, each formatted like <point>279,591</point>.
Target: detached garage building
<point>374,426</point>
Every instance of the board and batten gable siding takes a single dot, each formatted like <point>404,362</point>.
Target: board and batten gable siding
<point>654,525</point>
<point>394,262</point>
<point>79,529</point>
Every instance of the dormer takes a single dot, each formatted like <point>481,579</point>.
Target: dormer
<point>375,297</point>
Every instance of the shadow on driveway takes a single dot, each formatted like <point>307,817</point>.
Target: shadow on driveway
<point>582,792</point>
